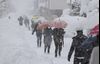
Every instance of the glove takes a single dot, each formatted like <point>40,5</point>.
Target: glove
<point>32,33</point>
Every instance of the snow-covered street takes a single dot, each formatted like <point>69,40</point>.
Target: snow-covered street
<point>67,27</point>
<point>18,46</point>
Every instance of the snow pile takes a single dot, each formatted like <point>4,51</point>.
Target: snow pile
<point>92,19</point>
<point>66,12</point>
<point>91,8</point>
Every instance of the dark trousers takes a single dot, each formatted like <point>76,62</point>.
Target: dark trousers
<point>27,25</point>
<point>47,48</point>
<point>82,61</point>
<point>20,23</point>
<point>58,49</point>
<point>39,41</point>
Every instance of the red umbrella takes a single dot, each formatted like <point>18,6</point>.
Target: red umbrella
<point>43,25</point>
<point>58,24</point>
<point>95,30</point>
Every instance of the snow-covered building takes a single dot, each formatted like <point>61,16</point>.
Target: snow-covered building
<point>50,7</point>
<point>3,7</point>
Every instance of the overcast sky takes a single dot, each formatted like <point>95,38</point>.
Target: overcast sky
<point>22,5</point>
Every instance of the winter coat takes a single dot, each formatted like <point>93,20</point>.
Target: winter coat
<point>58,35</point>
<point>26,21</point>
<point>47,36</point>
<point>32,24</point>
<point>91,42</point>
<point>20,18</point>
<point>38,32</point>
<point>77,41</point>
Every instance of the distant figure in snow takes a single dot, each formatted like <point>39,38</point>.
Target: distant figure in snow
<point>27,23</point>
<point>47,39</point>
<point>9,17</point>
<point>20,19</point>
<point>33,23</point>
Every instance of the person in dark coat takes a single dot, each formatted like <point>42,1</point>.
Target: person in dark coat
<point>27,23</point>
<point>47,39</point>
<point>20,19</point>
<point>81,55</point>
<point>91,43</point>
<point>38,34</point>
<point>58,36</point>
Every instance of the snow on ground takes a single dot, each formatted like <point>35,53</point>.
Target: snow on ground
<point>18,46</point>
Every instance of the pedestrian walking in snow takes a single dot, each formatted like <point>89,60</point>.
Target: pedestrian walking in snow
<point>27,23</point>
<point>58,35</point>
<point>81,55</point>
<point>9,17</point>
<point>47,39</point>
<point>38,35</point>
<point>33,23</point>
<point>20,19</point>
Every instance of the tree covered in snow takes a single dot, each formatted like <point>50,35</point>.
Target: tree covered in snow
<point>88,6</point>
<point>4,7</point>
<point>91,8</point>
<point>75,8</point>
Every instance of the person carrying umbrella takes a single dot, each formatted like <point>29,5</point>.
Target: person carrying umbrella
<point>58,36</point>
<point>47,39</point>
<point>80,53</point>
<point>93,39</point>
<point>92,43</point>
<point>38,34</point>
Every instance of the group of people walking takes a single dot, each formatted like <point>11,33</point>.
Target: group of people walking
<point>81,44</point>
<point>49,34</point>
<point>24,21</point>
<point>82,55</point>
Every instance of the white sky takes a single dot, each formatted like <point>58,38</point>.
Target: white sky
<point>22,5</point>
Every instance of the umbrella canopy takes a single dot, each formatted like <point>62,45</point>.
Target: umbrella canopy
<point>95,30</point>
<point>58,24</point>
<point>42,25</point>
<point>35,17</point>
<point>55,24</point>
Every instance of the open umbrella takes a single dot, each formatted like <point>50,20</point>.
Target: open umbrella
<point>95,30</point>
<point>42,25</point>
<point>58,24</point>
